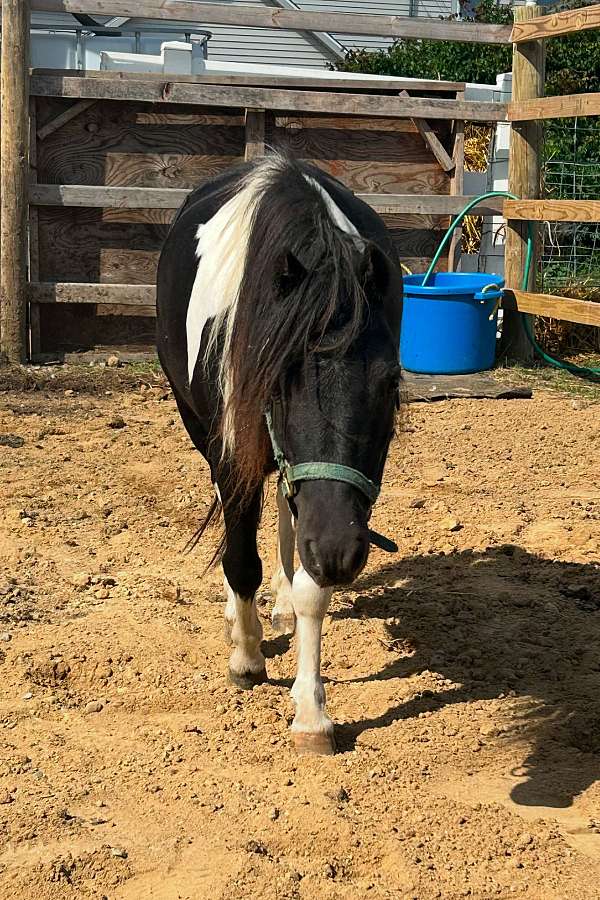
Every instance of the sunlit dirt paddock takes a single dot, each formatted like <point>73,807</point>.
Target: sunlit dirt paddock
<point>463,673</point>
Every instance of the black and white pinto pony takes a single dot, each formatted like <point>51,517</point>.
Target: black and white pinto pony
<point>279,306</point>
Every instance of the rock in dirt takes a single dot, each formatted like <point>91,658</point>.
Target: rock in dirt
<point>6,636</point>
<point>117,422</point>
<point>419,503</point>
<point>80,579</point>
<point>11,440</point>
<point>93,706</point>
<point>119,852</point>
<point>451,524</point>
<point>113,362</point>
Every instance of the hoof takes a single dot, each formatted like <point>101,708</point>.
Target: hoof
<point>283,623</point>
<point>227,632</point>
<point>320,744</point>
<point>248,680</point>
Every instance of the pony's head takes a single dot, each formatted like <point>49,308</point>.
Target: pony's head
<point>314,340</point>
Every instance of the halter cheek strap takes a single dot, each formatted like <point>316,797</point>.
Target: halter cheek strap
<point>317,471</point>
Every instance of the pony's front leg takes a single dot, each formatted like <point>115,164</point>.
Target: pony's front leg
<point>243,573</point>
<point>312,728</point>
<point>283,619</point>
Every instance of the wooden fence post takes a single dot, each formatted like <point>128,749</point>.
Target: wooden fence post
<point>14,172</point>
<point>524,180</point>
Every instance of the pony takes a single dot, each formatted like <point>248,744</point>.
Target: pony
<point>279,300</point>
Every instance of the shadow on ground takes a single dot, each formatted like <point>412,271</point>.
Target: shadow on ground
<point>502,621</point>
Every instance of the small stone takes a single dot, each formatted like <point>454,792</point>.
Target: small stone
<point>119,852</point>
<point>27,696</point>
<point>11,440</point>
<point>417,504</point>
<point>80,579</point>
<point>220,709</point>
<point>329,871</point>
<point>93,706</point>
<point>524,840</point>
<point>117,422</point>
<point>69,393</point>
<point>342,795</point>
<point>6,798</point>
<point>450,524</point>
<point>274,814</point>
<point>6,636</point>
<point>192,729</point>
<point>113,362</point>
<point>172,593</point>
<point>98,820</point>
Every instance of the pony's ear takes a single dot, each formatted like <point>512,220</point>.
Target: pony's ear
<point>290,273</point>
<point>375,270</point>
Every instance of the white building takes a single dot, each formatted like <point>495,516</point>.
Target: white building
<point>55,42</point>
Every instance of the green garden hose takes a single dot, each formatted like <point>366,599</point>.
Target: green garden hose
<point>582,371</point>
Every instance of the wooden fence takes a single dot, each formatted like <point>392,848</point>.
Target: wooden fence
<point>86,201</point>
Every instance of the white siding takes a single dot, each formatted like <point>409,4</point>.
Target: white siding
<point>423,8</point>
<point>235,44</point>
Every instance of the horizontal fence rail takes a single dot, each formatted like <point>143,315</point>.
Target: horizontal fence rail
<point>382,84</point>
<point>144,295</point>
<point>553,210</point>
<point>566,107</point>
<point>66,195</point>
<point>136,87</point>
<point>582,311</point>
<point>289,19</point>
<point>555,24</point>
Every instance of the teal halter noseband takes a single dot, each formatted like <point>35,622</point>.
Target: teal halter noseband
<point>317,471</point>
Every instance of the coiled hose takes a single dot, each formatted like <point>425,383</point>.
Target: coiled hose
<point>581,371</point>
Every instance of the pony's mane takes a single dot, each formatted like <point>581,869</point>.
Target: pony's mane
<point>296,289</point>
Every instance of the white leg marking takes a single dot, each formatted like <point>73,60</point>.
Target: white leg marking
<point>312,727</point>
<point>246,634</point>
<point>282,616</point>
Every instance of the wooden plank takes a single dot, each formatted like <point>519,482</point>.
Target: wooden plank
<point>368,83</point>
<point>255,134</point>
<point>456,188</point>
<point>34,246</point>
<point>553,210</point>
<point>524,180</point>
<point>143,295</point>
<point>567,106</point>
<point>114,197</point>
<point>566,22</point>
<point>63,118</point>
<point>565,308</point>
<point>77,245</point>
<point>432,141</point>
<point>14,179</point>
<point>118,294</point>
<point>125,144</point>
<point>152,91</point>
<point>172,198</point>
<point>275,17</point>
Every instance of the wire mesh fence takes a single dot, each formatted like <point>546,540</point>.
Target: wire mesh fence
<point>571,250</point>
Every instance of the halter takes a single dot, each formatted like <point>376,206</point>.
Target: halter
<point>317,471</point>
<point>322,471</point>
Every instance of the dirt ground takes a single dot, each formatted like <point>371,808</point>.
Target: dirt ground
<point>464,672</point>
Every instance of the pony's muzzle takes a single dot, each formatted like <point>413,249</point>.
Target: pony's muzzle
<point>335,559</point>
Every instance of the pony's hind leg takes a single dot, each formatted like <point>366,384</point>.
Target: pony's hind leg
<point>283,618</point>
<point>243,573</point>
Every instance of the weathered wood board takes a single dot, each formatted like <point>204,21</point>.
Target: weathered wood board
<point>111,143</point>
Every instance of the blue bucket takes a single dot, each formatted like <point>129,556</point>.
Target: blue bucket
<point>449,326</point>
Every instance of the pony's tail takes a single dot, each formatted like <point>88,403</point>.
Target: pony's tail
<point>212,516</point>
